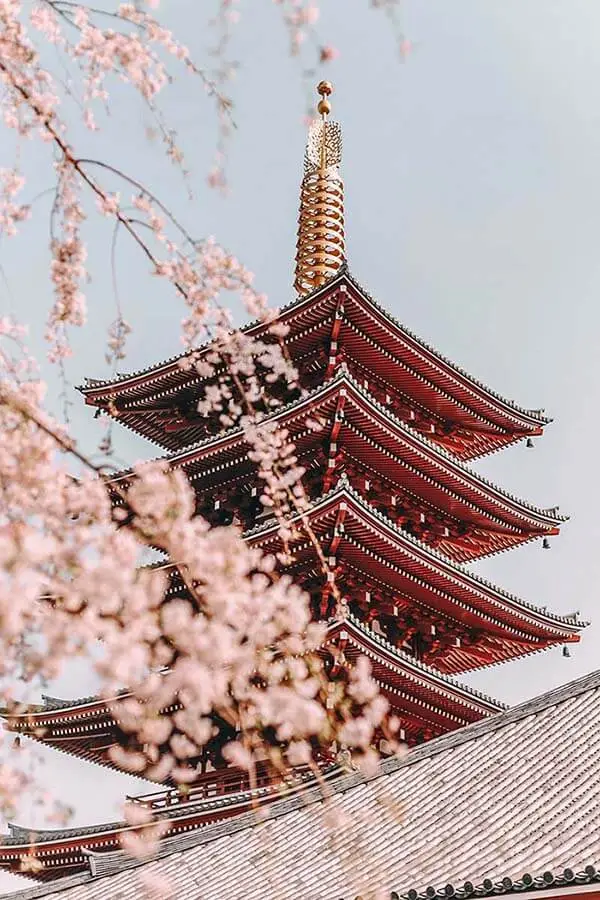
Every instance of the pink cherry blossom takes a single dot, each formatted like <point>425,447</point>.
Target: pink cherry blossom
<point>233,642</point>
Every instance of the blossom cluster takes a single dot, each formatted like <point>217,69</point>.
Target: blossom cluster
<point>11,213</point>
<point>235,644</point>
<point>240,644</point>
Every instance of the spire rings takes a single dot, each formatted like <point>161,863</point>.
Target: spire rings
<point>321,242</point>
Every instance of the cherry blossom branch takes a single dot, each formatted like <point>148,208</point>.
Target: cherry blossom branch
<point>239,645</point>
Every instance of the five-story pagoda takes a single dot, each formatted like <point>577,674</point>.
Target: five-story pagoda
<point>396,508</point>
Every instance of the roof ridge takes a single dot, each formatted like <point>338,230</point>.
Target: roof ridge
<point>534,413</point>
<point>567,877</point>
<point>253,323</point>
<point>58,705</point>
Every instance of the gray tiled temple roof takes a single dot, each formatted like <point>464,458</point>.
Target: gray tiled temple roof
<point>508,804</point>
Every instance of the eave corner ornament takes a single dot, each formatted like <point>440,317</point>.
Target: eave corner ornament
<point>320,251</point>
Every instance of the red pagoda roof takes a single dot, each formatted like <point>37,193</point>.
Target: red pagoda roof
<point>368,542</point>
<point>392,450</point>
<point>375,341</point>
<point>84,727</point>
<point>424,698</point>
<point>411,685</point>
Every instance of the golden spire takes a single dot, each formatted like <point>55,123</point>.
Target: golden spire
<point>320,247</point>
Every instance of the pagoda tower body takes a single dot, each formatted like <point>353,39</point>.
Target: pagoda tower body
<point>396,507</point>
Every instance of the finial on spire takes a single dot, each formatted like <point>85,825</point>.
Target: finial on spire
<point>325,89</point>
<point>320,247</point>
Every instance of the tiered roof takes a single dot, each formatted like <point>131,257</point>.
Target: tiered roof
<point>431,701</point>
<point>386,448</point>
<point>455,410</point>
<point>361,537</point>
<point>480,623</point>
<point>507,805</point>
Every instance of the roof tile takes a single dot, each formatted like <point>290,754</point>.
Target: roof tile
<point>476,809</point>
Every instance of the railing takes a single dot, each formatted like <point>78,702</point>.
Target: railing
<point>220,783</point>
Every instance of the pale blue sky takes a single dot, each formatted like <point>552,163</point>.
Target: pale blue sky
<point>473,215</point>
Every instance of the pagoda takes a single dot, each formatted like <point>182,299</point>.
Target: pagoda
<point>392,498</point>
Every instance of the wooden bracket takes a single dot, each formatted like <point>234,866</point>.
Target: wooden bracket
<point>335,332</point>
<point>333,447</point>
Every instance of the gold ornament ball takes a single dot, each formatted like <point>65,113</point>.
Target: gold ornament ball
<point>325,88</point>
<point>324,107</point>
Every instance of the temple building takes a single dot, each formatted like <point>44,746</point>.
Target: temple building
<point>400,513</point>
<point>508,806</point>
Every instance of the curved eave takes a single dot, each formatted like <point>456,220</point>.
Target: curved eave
<point>73,726</point>
<point>463,703</point>
<point>83,727</point>
<point>559,629</point>
<point>78,747</point>
<point>55,710</point>
<point>395,439</point>
<point>81,717</point>
<point>568,883</point>
<point>430,367</point>
<point>526,418</point>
